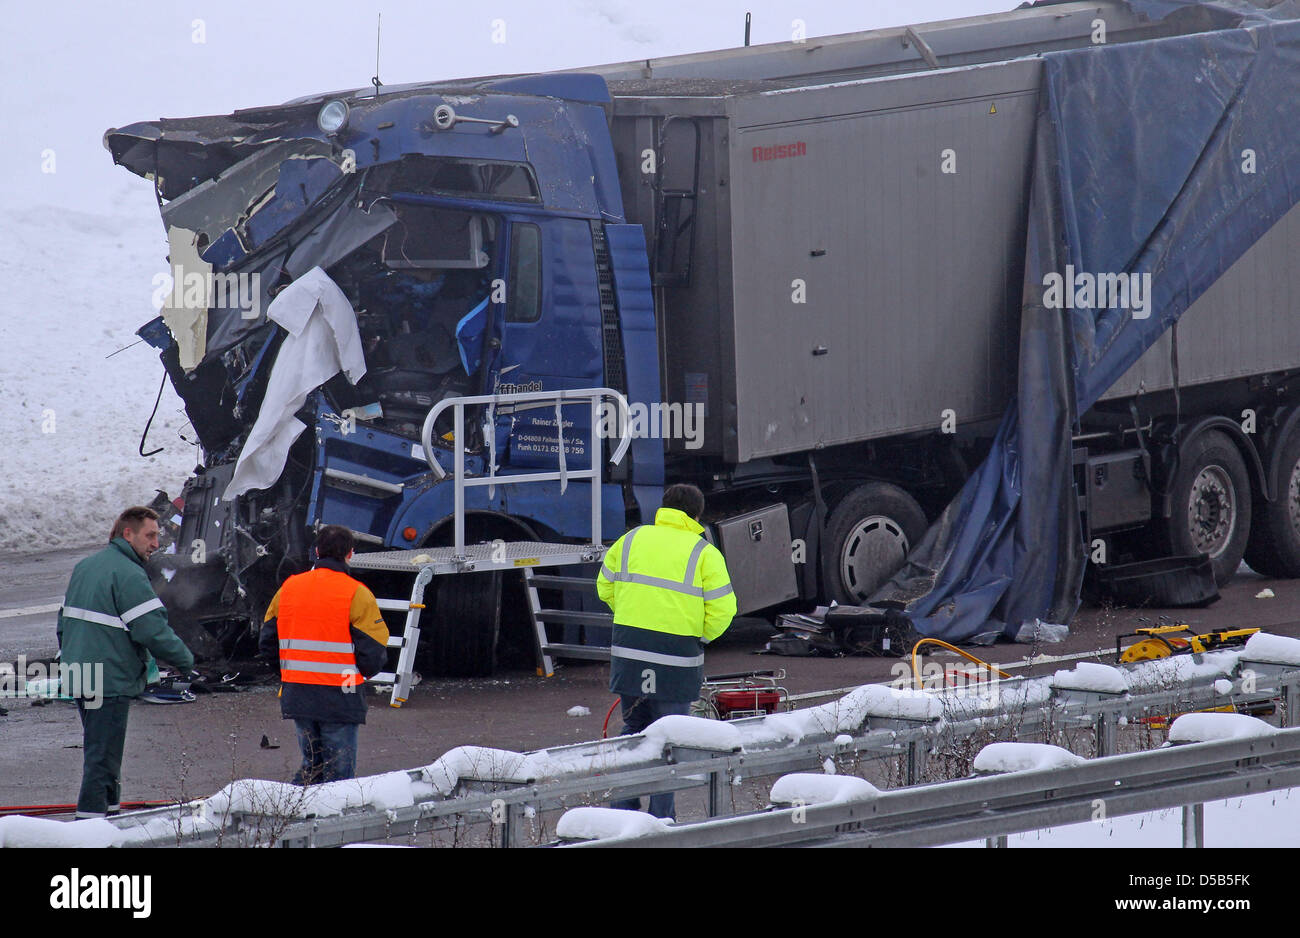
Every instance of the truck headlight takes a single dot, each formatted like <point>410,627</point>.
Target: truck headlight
<point>332,117</point>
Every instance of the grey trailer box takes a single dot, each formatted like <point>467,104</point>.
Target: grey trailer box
<point>837,231</point>
<point>842,284</point>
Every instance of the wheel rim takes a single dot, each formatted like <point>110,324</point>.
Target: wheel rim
<point>1212,510</point>
<point>876,547</point>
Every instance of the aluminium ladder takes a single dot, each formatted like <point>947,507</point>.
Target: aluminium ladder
<point>546,649</point>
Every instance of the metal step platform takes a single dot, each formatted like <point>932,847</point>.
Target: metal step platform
<point>427,563</point>
<point>501,555</point>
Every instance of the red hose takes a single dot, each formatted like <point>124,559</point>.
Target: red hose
<point>40,810</point>
<point>604,729</point>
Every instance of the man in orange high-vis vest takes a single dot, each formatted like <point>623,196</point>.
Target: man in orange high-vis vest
<point>326,630</point>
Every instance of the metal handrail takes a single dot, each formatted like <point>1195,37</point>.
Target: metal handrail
<point>592,396</point>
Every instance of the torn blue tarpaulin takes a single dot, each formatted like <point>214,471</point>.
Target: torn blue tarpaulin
<point>1138,169</point>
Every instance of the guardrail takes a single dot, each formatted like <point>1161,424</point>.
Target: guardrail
<point>992,807</point>
<point>511,403</point>
<point>505,789</point>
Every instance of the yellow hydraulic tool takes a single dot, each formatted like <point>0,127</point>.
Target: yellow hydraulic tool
<point>1161,641</point>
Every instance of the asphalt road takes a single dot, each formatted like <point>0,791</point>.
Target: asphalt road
<point>189,750</point>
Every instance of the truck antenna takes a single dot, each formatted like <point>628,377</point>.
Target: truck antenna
<point>747,17</point>
<point>379,21</point>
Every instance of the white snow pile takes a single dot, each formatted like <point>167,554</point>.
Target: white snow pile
<point>1181,669</point>
<point>21,831</point>
<point>77,286</point>
<point>578,712</point>
<point>166,831</point>
<point>1223,687</point>
<point>1272,649</point>
<point>472,762</point>
<point>811,788</point>
<point>1212,727</point>
<point>1023,757</point>
<point>607,824</point>
<point>280,799</point>
<point>696,732</point>
<point>1087,676</point>
<point>844,715</point>
<point>598,756</point>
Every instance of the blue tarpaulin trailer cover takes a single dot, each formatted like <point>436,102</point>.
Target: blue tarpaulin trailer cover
<point>1141,167</point>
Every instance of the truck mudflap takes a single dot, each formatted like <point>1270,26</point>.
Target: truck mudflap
<point>1113,259</point>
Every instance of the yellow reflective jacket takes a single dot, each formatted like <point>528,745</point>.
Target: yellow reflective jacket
<point>666,578</point>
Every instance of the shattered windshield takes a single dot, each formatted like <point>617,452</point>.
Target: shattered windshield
<point>421,292</point>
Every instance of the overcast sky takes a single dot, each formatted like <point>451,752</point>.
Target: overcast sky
<point>70,70</point>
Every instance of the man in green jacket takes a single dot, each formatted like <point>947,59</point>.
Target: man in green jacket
<point>110,621</point>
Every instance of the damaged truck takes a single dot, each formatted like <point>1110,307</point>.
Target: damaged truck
<point>806,268</point>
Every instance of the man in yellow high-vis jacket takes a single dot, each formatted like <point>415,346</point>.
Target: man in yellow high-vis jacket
<point>671,595</point>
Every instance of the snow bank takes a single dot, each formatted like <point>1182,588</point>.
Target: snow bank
<point>843,715</point>
<point>1272,649</point>
<point>1098,678</point>
<point>607,824</point>
<point>693,731</point>
<point>77,286</point>
<point>1024,757</point>
<point>1211,727</point>
<point>22,831</point>
<point>258,796</point>
<point>810,788</point>
<point>165,831</point>
<point>1181,669</point>
<point>472,762</point>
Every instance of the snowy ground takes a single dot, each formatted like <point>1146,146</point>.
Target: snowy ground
<point>76,287</point>
<point>1271,819</point>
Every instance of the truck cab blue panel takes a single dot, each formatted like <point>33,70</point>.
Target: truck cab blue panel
<point>636,307</point>
<point>561,350</point>
<point>540,505</point>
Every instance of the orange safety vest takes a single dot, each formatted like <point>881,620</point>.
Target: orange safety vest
<point>314,628</point>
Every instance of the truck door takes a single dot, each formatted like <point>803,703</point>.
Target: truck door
<point>551,338</point>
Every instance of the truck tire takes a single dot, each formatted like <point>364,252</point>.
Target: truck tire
<point>466,619</point>
<point>868,536</point>
<point>1210,504</point>
<point>1274,545</point>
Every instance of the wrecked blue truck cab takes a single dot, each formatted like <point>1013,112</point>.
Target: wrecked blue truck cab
<point>476,231</point>
<point>843,262</point>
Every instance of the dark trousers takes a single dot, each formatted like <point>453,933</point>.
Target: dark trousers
<point>329,751</point>
<point>103,738</point>
<point>638,713</point>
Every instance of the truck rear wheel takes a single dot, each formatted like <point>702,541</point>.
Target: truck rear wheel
<point>1274,545</point>
<point>868,536</point>
<point>465,620</point>
<point>1210,498</point>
